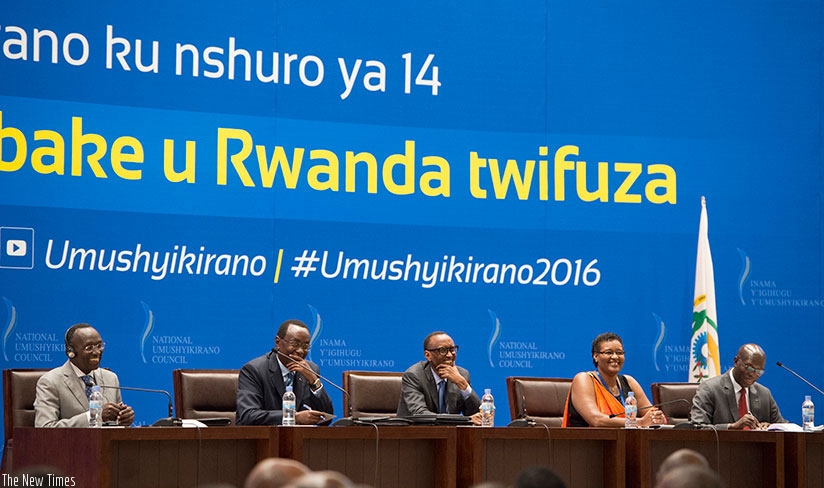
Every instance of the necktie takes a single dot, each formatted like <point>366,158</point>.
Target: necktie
<point>290,378</point>
<point>88,382</point>
<point>742,405</point>
<point>442,396</point>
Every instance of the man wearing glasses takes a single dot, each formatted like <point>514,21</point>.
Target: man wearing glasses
<point>437,385</point>
<point>734,400</point>
<point>263,381</point>
<point>62,395</point>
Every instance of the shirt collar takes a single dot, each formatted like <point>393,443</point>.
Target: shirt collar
<point>736,387</point>
<point>79,372</point>
<point>283,369</point>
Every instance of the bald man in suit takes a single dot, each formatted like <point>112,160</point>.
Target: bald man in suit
<point>718,400</point>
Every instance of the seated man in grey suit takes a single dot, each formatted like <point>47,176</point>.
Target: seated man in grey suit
<point>437,385</point>
<point>62,400</point>
<point>734,400</point>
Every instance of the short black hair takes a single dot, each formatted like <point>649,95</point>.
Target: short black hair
<point>605,337</point>
<point>70,335</point>
<point>284,327</point>
<point>430,336</point>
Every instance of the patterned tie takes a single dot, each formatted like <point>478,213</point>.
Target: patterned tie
<point>88,381</point>
<point>742,405</point>
<point>442,396</point>
<point>290,378</point>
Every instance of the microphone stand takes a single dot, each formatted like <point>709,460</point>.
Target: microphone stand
<point>778,363</point>
<point>523,420</point>
<point>701,425</point>
<point>170,421</point>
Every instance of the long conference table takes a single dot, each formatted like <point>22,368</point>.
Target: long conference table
<point>414,456</point>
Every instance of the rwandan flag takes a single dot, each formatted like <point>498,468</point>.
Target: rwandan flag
<point>705,361</point>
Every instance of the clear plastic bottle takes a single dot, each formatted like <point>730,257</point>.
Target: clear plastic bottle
<point>631,411</point>
<point>289,407</point>
<point>96,401</point>
<point>808,414</point>
<point>487,409</point>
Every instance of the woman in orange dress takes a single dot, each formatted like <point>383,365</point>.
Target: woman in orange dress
<point>596,398</point>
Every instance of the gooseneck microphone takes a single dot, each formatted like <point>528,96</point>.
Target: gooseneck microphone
<point>170,421</point>
<point>327,380</point>
<point>778,363</point>
<point>523,419</point>
<point>613,415</point>
<point>701,425</point>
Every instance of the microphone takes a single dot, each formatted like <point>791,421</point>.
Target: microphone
<point>778,363</point>
<point>613,415</point>
<point>692,424</point>
<point>171,421</point>
<point>327,380</point>
<point>523,420</point>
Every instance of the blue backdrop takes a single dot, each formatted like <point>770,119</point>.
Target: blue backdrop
<point>185,177</point>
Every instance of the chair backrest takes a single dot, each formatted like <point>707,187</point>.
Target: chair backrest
<point>19,387</point>
<point>665,392</point>
<point>542,399</point>
<point>205,393</point>
<point>371,393</point>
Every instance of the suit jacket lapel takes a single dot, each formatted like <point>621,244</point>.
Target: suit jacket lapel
<point>102,379</point>
<point>755,404</point>
<point>75,385</point>
<point>431,394</point>
<point>729,394</point>
<point>299,387</point>
<point>276,377</point>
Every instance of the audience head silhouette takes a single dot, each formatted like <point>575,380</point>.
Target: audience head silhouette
<point>538,477</point>
<point>322,479</point>
<point>275,473</point>
<point>690,476</point>
<point>681,457</point>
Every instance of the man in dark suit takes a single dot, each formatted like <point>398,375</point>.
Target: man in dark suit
<point>423,383</point>
<point>61,398</point>
<point>734,400</point>
<point>263,380</point>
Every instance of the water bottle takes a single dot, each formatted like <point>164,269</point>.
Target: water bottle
<point>631,411</point>
<point>96,407</point>
<point>808,414</point>
<point>487,409</point>
<point>289,407</point>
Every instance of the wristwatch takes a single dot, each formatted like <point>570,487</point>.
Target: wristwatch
<point>317,384</point>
